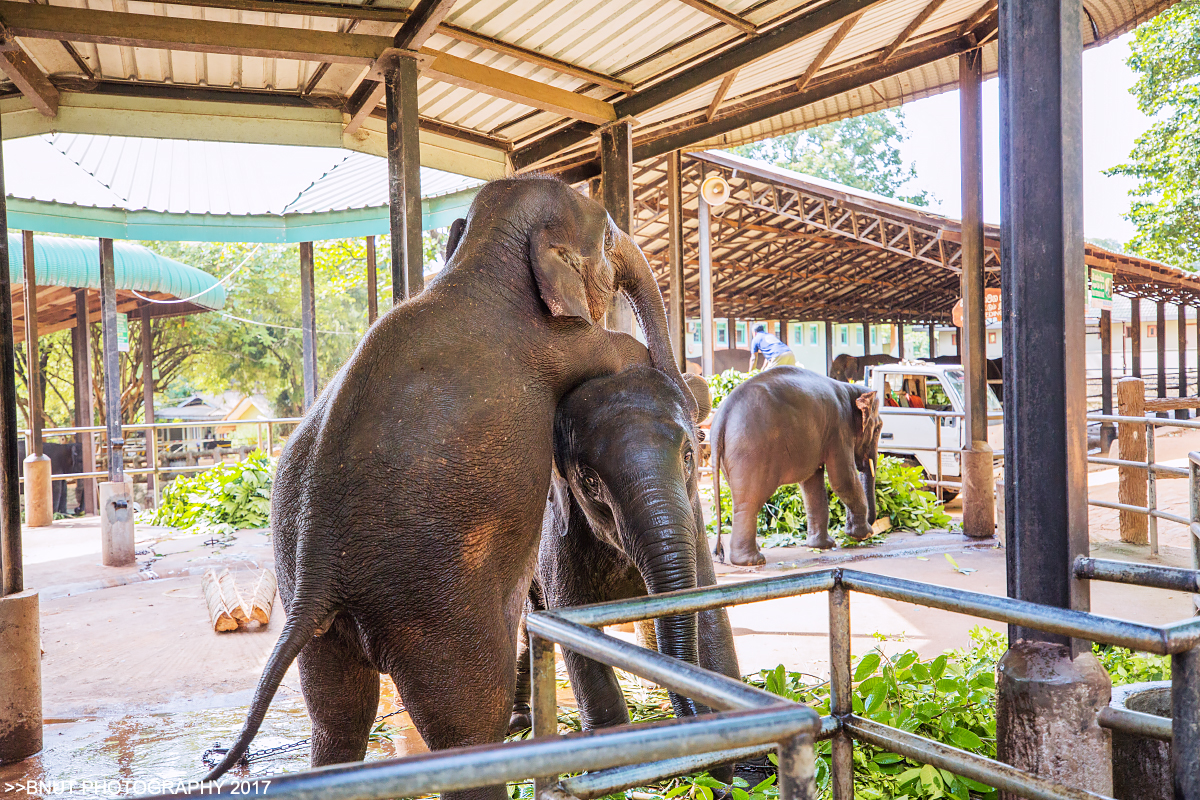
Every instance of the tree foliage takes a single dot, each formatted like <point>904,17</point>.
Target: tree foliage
<point>1165,161</point>
<point>863,152</point>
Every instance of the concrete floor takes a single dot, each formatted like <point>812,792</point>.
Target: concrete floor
<point>136,684</point>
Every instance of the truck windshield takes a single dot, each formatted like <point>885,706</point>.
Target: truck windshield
<point>955,377</point>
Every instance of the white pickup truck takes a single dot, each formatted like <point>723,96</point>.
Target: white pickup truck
<point>909,390</point>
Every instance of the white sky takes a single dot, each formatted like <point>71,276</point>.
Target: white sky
<point>1111,123</point>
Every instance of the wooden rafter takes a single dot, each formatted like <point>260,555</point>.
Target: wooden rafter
<point>29,80</point>
<point>910,29</point>
<point>814,67</point>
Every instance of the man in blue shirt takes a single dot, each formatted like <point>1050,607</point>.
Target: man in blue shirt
<point>774,352</point>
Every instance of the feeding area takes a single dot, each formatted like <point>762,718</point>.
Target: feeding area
<point>569,400</point>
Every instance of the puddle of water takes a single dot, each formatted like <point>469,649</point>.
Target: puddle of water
<point>92,759</point>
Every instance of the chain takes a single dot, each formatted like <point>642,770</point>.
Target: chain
<point>213,755</point>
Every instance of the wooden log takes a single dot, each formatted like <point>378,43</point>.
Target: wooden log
<point>1171,403</point>
<point>263,597</point>
<point>1131,446</point>
<point>218,614</point>
<point>232,597</point>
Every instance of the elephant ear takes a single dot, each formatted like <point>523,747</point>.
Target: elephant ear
<point>556,520</point>
<point>866,404</point>
<point>699,388</point>
<point>558,269</point>
<point>456,231</point>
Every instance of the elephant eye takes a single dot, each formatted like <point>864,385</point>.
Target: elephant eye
<point>590,482</point>
<point>689,460</point>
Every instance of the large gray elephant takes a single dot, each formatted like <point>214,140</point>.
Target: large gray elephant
<point>610,534</point>
<point>852,368</point>
<point>790,425</point>
<point>407,506</point>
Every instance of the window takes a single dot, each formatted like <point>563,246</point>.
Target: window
<point>741,333</point>
<point>813,333</point>
<point>844,332</point>
<point>874,335</point>
<point>722,333</point>
<point>858,334</point>
<point>1151,331</point>
<point>991,337</point>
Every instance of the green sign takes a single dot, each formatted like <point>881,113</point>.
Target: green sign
<point>1100,290</point>
<point>122,333</point>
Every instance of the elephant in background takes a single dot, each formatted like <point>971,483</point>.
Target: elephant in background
<point>790,425</point>
<point>407,505</point>
<point>847,368</point>
<point>722,360</point>
<point>65,458</point>
<point>612,532</point>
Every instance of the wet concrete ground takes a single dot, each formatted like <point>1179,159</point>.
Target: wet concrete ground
<point>137,686</point>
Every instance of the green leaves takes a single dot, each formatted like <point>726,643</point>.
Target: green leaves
<point>719,386</point>
<point>228,497</point>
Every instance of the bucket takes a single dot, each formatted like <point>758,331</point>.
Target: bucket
<point>1141,766</point>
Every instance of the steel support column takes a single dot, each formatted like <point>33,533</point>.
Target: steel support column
<point>12,578</point>
<point>32,365</point>
<point>308,322</point>
<point>866,332</point>
<point>1160,342</point>
<point>675,305</point>
<point>932,342</point>
<point>706,287</point>
<point>1043,277</point>
<point>616,187</point>
<point>1135,337</point>
<point>85,399</point>
<point>112,364</point>
<point>1106,377</point>
<point>979,485</point>
<point>1181,331</point>
<point>828,346</point>
<point>147,335</point>
<point>404,175</point>
<point>372,283</point>
<point>900,341</point>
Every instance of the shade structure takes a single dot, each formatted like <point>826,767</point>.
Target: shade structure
<point>120,187</point>
<point>791,246</point>
<point>62,265</point>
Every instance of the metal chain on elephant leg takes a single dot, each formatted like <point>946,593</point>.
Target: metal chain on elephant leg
<point>214,754</point>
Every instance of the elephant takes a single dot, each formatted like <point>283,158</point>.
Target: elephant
<point>724,359</point>
<point>790,425</point>
<point>852,368</point>
<point>407,505</point>
<point>610,534</point>
<point>65,458</point>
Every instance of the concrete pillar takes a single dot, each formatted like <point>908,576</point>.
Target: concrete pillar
<point>731,333</point>
<point>404,175</point>
<point>39,490</point>
<point>1046,715</point>
<point>675,304</point>
<point>85,401</point>
<point>372,283</point>
<point>20,676</point>
<point>1135,337</point>
<point>616,186</point>
<point>308,323</point>
<point>978,478</point>
<point>116,523</point>
<point>783,337</point>
<point>866,331</point>
<point>147,336</point>
<point>900,341</point>
<point>706,288</point>
<point>932,342</point>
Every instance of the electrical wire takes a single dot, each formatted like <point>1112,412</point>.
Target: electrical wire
<point>283,327</point>
<point>221,282</point>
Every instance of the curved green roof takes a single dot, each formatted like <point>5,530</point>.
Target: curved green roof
<point>76,263</point>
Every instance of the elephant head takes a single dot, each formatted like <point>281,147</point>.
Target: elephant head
<point>868,425</point>
<point>845,368</point>
<point>578,256</point>
<point>625,449</point>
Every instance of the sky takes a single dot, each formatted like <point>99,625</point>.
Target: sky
<point>1111,123</point>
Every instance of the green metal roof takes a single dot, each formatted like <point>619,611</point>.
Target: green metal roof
<point>75,263</point>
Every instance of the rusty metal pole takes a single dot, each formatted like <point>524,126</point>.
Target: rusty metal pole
<point>706,288</point>
<point>85,400</point>
<point>1181,338</point>
<point>116,494</point>
<point>900,341</point>
<point>372,283</point>
<point>828,346</point>
<point>12,579</point>
<point>308,323</point>
<point>866,333</point>
<point>39,491</point>
<point>932,342</point>
<point>1161,343</point>
<point>1050,688</point>
<point>616,187</point>
<point>1106,376</point>
<point>676,313</point>
<point>147,336</point>
<point>404,175</point>
<point>1135,337</point>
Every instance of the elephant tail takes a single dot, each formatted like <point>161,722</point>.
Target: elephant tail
<point>311,614</point>
<point>717,431</point>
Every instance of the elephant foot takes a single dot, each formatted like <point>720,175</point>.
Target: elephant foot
<point>750,557</point>
<point>519,721</point>
<point>821,541</point>
<point>860,532</point>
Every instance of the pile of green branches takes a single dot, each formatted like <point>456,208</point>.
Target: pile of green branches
<point>228,497</point>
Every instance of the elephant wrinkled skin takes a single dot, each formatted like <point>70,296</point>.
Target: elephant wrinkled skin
<point>407,506</point>
<point>790,425</point>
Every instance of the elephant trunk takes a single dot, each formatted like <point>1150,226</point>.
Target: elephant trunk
<point>662,543</point>
<point>636,279</point>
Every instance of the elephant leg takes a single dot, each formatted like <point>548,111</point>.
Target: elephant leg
<point>743,547</point>
<point>601,703</point>
<point>846,485</point>
<point>816,509</point>
<point>341,691</point>
<point>58,496</point>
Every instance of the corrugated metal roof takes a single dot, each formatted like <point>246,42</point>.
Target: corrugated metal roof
<point>604,50</point>
<point>75,263</point>
<point>360,181</point>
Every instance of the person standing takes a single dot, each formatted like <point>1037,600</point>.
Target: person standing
<point>772,351</point>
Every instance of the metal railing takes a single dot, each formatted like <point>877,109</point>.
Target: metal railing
<point>635,755</point>
<point>936,480</point>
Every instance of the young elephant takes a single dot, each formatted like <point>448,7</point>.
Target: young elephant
<point>623,520</point>
<point>790,425</point>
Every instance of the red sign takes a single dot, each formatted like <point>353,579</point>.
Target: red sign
<point>991,308</point>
